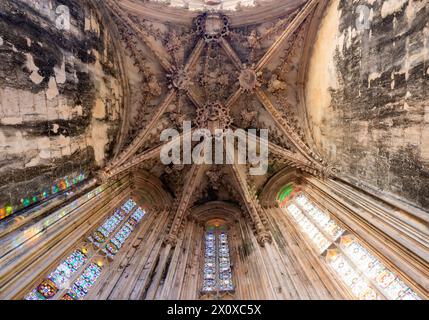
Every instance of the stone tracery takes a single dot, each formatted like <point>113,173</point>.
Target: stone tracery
<point>221,73</point>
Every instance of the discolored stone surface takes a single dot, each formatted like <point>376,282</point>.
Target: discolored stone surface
<point>60,95</point>
<point>368,95</point>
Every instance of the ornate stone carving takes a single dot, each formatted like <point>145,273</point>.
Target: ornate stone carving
<point>215,178</point>
<point>253,40</point>
<point>248,118</point>
<point>154,87</point>
<point>220,78</point>
<point>213,115</point>
<point>212,26</point>
<point>174,43</point>
<point>275,85</point>
<point>180,80</point>
<point>248,79</point>
<point>216,77</point>
<point>177,116</point>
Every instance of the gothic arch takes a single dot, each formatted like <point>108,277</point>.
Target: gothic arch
<point>268,194</point>
<point>151,190</point>
<point>216,209</point>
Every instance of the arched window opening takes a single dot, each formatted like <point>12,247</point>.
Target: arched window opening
<point>365,276</point>
<point>286,193</point>
<point>77,274</point>
<point>217,275</point>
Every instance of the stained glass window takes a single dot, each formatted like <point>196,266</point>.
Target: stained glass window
<point>68,281</point>
<point>387,282</point>
<point>59,278</point>
<point>85,281</point>
<point>209,282</point>
<point>359,286</point>
<point>113,246</point>
<point>307,227</point>
<point>323,220</point>
<point>48,221</point>
<point>217,276</point>
<point>100,235</point>
<point>224,263</point>
<point>286,193</point>
<point>62,274</point>
<point>366,277</point>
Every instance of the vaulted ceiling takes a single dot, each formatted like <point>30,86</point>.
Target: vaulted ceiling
<point>206,68</point>
<point>217,75</point>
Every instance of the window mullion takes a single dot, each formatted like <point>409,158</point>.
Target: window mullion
<point>119,227</point>
<point>334,243</point>
<point>217,279</point>
<point>382,266</point>
<point>97,252</point>
<point>359,271</point>
<point>217,292</point>
<point>310,241</point>
<point>75,275</point>
<point>318,226</point>
<point>313,220</point>
<point>328,212</point>
<point>99,246</point>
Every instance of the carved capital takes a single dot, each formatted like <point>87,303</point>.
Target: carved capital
<point>102,177</point>
<point>170,240</point>
<point>263,238</point>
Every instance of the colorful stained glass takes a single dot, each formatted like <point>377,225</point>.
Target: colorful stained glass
<point>2,213</point>
<point>286,193</point>
<point>322,219</point>
<point>391,286</point>
<point>365,276</point>
<point>138,214</point>
<point>316,237</point>
<point>100,235</point>
<point>68,269</point>
<point>115,244</point>
<point>359,286</point>
<point>225,274</point>
<point>217,265</point>
<point>47,288</point>
<point>25,202</point>
<point>85,281</point>
<point>67,296</point>
<point>6,211</point>
<point>62,274</point>
<point>34,295</point>
<point>59,278</point>
<point>59,185</point>
<point>209,280</point>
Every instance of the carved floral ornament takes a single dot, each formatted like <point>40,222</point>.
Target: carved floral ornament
<point>213,115</point>
<point>212,26</point>
<point>248,79</point>
<point>225,68</point>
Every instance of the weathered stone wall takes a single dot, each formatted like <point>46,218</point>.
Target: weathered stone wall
<point>367,95</point>
<point>60,94</point>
